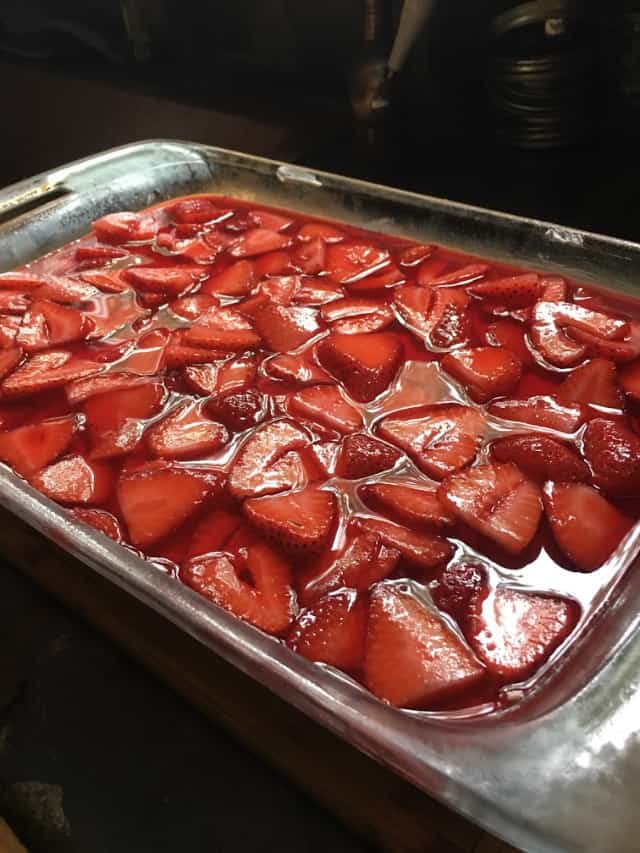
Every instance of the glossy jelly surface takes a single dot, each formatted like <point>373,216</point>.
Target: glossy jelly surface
<point>418,467</point>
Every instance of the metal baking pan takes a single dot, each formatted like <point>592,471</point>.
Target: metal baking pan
<point>557,771</point>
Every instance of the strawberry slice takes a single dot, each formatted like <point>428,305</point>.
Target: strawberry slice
<point>353,315</point>
<point>630,381</point>
<point>171,280</point>
<point>31,447</point>
<point>593,383</point>
<point>286,328</point>
<point>235,280</point>
<point>9,359</point>
<point>550,318</point>
<point>363,456</point>
<point>498,501</point>
<point>296,368</point>
<point>100,520</point>
<point>440,439</point>
<point>197,210</point>
<point>411,505</point>
<point>541,411</point>
<point>13,302</point>
<point>513,633</point>
<point>485,372</point>
<point>223,329</point>
<point>125,227</point>
<point>143,495</point>
<point>238,410</point>
<point>74,480</point>
<point>362,562</point>
<point>22,280</point>
<point>213,532</point>
<point>553,289</point>
<point>312,290</point>
<point>448,323</point>
<point>310,257</point>
<point>413,659</point>
<point>235,374</point>
<point>97,256</point>
<point>613,452</point>
<point>413,255</point>
<point>65,291</point>
<point>179,354</point>
<point>281,289</point>
<point>585,525</point>
<point>258,241</point>
<point>412,304</point>
<point>273,263</point>
<point>193,307</point>
<point>106,282</point>
<point>270,220</point>
<point>114,418</point>
<point>325,405</point>
<point>265,463</point>
<point>541,458</point>
<point>390,276</point>
<point>431,269</point>
<point>184,434</point>
<point>514,291</point>
<point>45,371</point>
<point>364,364</point>
<point>424,550</point>
<point>326,232</point>
<point>299,521</point>
<point>46,324</point>
<point>458,590</point>
<point>616,350</point>
<point>509,334</point>
<point>462,275</point>
<point>332,631</point>
<point>9,327</point>
<point>351,262</point>
<point>266,602</point>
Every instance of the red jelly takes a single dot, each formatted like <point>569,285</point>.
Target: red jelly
<point>393,457</point>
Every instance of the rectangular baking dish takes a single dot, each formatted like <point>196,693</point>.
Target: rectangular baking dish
<point>555,772</point>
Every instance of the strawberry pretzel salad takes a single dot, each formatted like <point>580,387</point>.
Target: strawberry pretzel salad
<point>407,464</point>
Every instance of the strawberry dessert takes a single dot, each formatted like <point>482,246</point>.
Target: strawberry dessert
<point>416,467</point>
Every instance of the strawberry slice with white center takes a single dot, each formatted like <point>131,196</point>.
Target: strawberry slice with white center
<point>265,463</point>
<point>310,257</point>
<point>258,241</point>
<point>486,372</point>
<point>125,227</point>
<point>363,456</point>
<point>541,411</point>
<point>364,364</point>
<point>74,480</point>
<point>512,292</point>
<point>29,448</point>
<point>266,601</point>
<point>440,439</point>
<point>222,329</point>
<point>102,521</point>
<point>593,383</point>
<point>332,631</point>
<point>186,433</point>
<point>173,280</point>
<point>285,328</point>
<point>352,262</point>
<point>413,659</point>
<point>514,633</point>
<point>541,458</point>
<point>412,505</point>
<point>45,371</point>
<point>549,319</point>
<point>299,521</point>
<point>46,324</point>
<point>353,315</point>
<point>424,550</point>
<point>498,501</point>
<point>586,527</point>
<point>296,368</point>
<point>325,405</point>
<point>235,280</point>
<point>159,497</point>
<point>613,453</point>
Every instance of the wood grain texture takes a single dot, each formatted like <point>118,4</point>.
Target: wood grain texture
<point>377,804</point>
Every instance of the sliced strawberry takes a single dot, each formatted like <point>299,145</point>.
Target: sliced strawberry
<point>13,302</point>
<point>440,439</point>
<point>106,282</point>
<point>171,280</point>
<point>498,501</point>
<point>413,255</point>
<point>458,590</point>
<point>362,562</point>
<point>125,227</point>
<point>113,418</point>
<point>97,256</point>
<point>316,291</point>
<point>541,458</point>
<point>613,452</point>
<point>45,371</point>
<point>365,364</point>
<point>179,354</point>
<point>102,521</point>
<point>273,263</point>
<point>413,659</point>
<point>616,350</point>
<point>66,291</point>
<point>462,275</point>
<point>286,328</point>
<point>425,550</point>
<point>541,411</point>
<point>390,276</point>
<point>22,280</point>
<point>325,405</point>
<point>258,241</point>
<point>553,289</point>
<point>514,632</point>
<point>193,307</point>
<point>585,525</point>
<point>280,289</point>
<point>9,327</point>
<point>332,631</point>
<point>550,318</point>
<point>9,359</point>
<point>265,464</point>
<point>238,410</point>
<point>326,232</point>
<point>321,456</point>
<point>509,334</point>
<point>159,497</point>
<point>213,532</point>
<point>353,315</point>
<point>266,602</point>
<point>185,433</point>
<point>363,456</point>
<point>310,257</point>
<point>196,210</point>
<point>515,291</point>
<point>46,324</point>
<point>270,220</point>
<point>31,447</point>
<point>413,303</point>
<point>448,323</point>
<point>234,374</point>
<point>485,372</point>
<point>296,368</point>
<point>74,480</point>
<point>235,280</point>
<point>351,262</point>
<point>630,381</point>
<point>223,329</point>
<point>300,521</point>
<point>412,505</point>
<point>430,270</point>
<point>592,383</point>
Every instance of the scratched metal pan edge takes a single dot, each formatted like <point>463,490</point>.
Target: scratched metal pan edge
<point>557,771</point>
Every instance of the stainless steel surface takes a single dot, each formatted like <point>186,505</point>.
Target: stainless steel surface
<point>557,771</point>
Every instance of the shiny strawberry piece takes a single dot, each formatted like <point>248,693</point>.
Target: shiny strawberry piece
<point>185,433</point>
<point>363,456</point>
<point>273,264</point>
<point>424,550</point>
<point>193,307</point>
<point>412,505</point>
<point>266,602</point>
<point>593,383</point>
<point>106,282</point>
<point>98,255</point>
<point>180,354</point>
<point>511,335</point>
<point>258,241</point>
<point>332,631</point>
<point>613,453</point>
<point>172,280</point>
<point>125,227</point>
<point>458,591</point>
<point>365,364</point>
<point>352,262</point>
<point>45,371</point>
<point>485,372</point>
<point>65,291</point>
<point>100,520</point>
<point>46,324</point>
<point>616,350</point>
<point>195,211</point>
<point>440,439</point>
<point>325,405</point>
<point>630,381</point>
<point>110,415</point>
<point>462,275</point>
<point>498,501</point>
<point>235,280</point>
<point>286,328</point>
<point>238,410</point>
<point>541,411</point>
<point>29,448</point>
<point>516,291</point>
<point>222,329</point>
<point>430,269</point>
<point>549,319</point>
<point>22,280</point>
<point>280,289</point>
<point>326,232</point>
<point>586,527</point>
<point>316,291</point>
<point>390,276</point>
<point>448,323</point>
<point>74,480</point>
<point>9,359</point>
<point>413,255</point>
<point>541,458</point>
<point>353,315</point>
<point>301,521</point>
<point>9,327</point>
<point>413,303</point>
<point>413,659</point>
<point>13,302</point>
<point>270,220</point>
<point>310,257</point>
<point>213,532</point>
<point>265,463</point>
<point>296,368</point>
<point>222,377</point>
